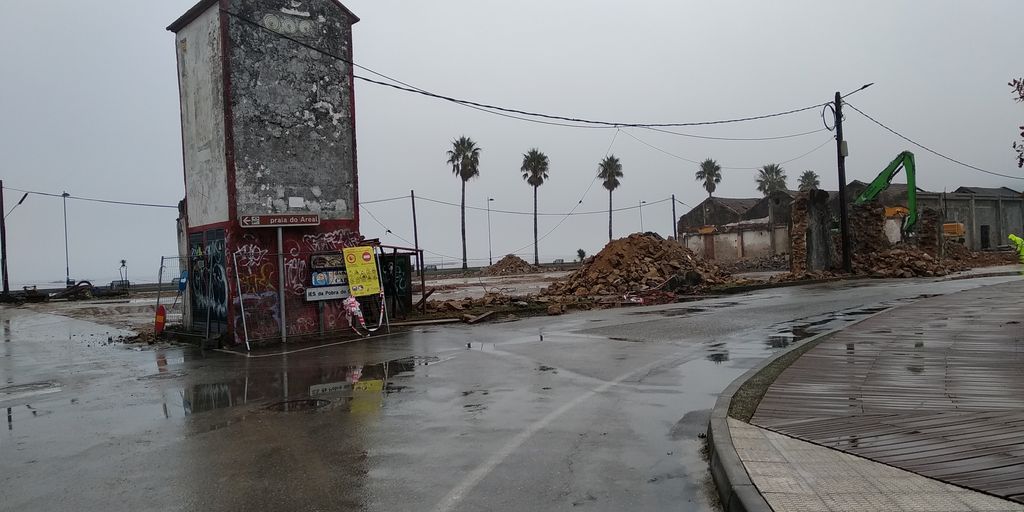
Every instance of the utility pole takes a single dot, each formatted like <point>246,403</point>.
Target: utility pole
<point>641,206</point>
<point>419,254</point>
<point>841,152</point>
<point>3,242</point>
<point>675,227</point>
<point>67,260</point>
<point>490,258</point>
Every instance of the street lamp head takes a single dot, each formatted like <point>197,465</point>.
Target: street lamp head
<point>490,199</point>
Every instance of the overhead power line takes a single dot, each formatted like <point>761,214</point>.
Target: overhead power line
<point>94,200</point>
<point>399,237</point>
<point>930,150</point>
<point>737,139</point>
<point>692,161</point>
<point>396,198</point>
<point>515,212</point>
<point>402,86</point>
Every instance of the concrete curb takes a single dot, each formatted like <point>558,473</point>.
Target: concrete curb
<point>735,490</point>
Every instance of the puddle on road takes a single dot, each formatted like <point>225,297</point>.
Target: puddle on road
<point>298,405</point>
<point>687,310</point>
<point>362,387</point>
<point>790,333</point>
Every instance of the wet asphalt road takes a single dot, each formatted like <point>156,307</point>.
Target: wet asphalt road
<point>602,414</point>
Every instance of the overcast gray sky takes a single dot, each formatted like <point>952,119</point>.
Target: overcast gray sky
<point>89,104</point>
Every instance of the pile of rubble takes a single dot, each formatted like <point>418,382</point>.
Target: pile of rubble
<point>469,303</point>
<point>798,234</point>
<point>867,229</point>
<point>906,261</point>
<point>510,265</point>
<point>758,264</point>
<point>958,252</point>
<point>636,263</point>
<point>874,255</point>
<point>929,230</point>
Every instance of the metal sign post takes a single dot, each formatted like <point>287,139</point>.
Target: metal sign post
<point>241,301</point>
<point>280,283</point>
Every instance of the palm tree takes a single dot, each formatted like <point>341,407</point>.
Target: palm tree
<point>610,170</point>
<point>771,178</point>
<point>809,180</point>
<point>535,171</point>
<point>464,157</point>
<point>711,174</point>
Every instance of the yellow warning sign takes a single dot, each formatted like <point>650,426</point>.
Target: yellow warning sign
<point>361,267</point>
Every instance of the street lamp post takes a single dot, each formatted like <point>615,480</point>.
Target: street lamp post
<point>67,261</point>
<point>490,257</point>
<point>641,204</point>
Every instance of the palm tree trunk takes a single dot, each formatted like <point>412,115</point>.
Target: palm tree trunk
<point>536,257</point>
<point>464,263</point>
<point>609,215</point>
<point>706,209</point>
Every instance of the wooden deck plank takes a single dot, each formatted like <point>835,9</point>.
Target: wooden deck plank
<point>935,387</point>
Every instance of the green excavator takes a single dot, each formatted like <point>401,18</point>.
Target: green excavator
<point>904,160</point>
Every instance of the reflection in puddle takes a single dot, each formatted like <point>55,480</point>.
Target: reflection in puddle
<point>362,387</point>
<point>792,333</point>
<point>717,352</point>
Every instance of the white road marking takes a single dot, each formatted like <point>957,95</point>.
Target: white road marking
<point>452,499</point>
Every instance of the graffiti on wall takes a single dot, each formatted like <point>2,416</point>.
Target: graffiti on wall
<point>208,278</point>
<point>259,285</point>
<point>331,241</point>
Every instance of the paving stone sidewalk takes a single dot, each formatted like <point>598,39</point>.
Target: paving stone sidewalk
<point>797,476</point>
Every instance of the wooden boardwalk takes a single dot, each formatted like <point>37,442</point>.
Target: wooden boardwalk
<point>935,388</point>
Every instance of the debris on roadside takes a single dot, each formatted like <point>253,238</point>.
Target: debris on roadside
<point>509,265</point>
<point>766,263</point>
<point>638,263</point>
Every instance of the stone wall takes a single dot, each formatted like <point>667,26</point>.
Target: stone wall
<point>292,107</point>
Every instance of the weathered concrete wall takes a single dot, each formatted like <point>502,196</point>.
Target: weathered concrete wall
<point>819,231</point>
<point>727,246</point>
<point>694,243</point>
<point>755,243</point>
<point>292,107</point>
<point>1002,215</point>
<point>1013,219</point>
<point>199,48</point>
<point>782,237</point>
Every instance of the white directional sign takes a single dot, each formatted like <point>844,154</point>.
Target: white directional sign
<point>326,293</point>
<point>279,220</point>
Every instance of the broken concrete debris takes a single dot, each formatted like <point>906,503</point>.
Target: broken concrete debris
<point>510,265</point>
<point>637,263</point>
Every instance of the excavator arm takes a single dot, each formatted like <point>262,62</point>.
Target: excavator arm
<point>904,160</point>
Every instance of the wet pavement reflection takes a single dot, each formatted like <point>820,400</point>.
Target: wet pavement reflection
<point>602,409</point>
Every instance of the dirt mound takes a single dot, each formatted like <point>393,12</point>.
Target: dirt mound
<point>639,262</point>
<point>509,265</point>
